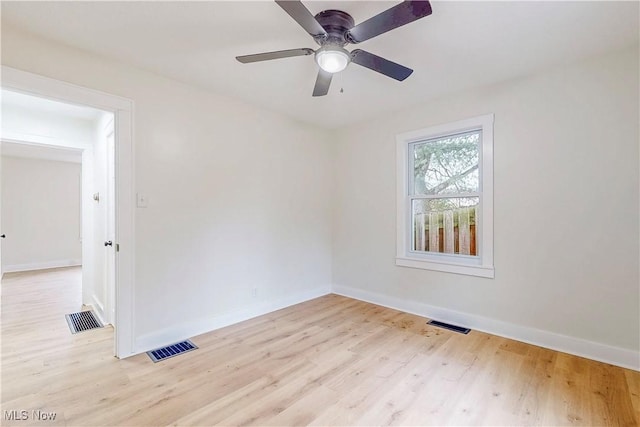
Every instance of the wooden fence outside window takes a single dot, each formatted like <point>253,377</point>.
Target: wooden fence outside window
<point>451,232</point>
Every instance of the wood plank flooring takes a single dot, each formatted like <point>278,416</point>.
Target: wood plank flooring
<point>330,361</point>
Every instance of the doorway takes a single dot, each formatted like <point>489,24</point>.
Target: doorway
<point>118,300</point>
<point>58,206</point>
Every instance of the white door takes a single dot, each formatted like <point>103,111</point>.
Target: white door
<point>110,250</point>
<point>103,288</point>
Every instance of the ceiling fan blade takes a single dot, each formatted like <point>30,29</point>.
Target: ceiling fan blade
<point>397,16</point>
<point>381,65</point>
<point>323,81</point>
<point>302,16</point>
<point>266,56</point>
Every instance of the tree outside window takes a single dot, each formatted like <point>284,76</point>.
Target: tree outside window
<point>445,198</point>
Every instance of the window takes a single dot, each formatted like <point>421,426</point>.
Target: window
<point>445,198</point>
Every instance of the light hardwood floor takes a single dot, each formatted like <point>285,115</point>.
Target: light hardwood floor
<point>330,361</point>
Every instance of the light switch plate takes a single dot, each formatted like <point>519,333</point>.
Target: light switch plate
<point>142,200</point>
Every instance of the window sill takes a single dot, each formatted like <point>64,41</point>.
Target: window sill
<point>469,270</point>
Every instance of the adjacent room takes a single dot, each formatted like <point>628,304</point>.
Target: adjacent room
<point>320,213</point>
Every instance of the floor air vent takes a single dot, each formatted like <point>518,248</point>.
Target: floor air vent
<point>449,326</point>
<point>171,350</point>
<point>82,321</point>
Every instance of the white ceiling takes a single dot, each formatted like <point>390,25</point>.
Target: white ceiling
<point>42,152</point>
<point>32,103</point>
<point>21,103</point>
<point>460,46</point>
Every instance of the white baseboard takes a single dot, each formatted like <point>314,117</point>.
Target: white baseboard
<point>591,350</point>
<point>41,265</point>
<point>187,330</point>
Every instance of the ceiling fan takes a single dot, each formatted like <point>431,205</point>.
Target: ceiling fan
<point>334,29</point>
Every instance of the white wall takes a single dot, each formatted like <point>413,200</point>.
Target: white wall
<point>1,232</point>
<point>40,213</point>
<point>566,211</point>
<point>239,197</point>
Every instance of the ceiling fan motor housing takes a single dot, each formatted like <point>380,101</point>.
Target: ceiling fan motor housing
<point>336,23</point>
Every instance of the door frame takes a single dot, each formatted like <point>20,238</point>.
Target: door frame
<point>122,108</point>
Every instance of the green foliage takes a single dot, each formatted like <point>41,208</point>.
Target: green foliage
<point>447,166</point>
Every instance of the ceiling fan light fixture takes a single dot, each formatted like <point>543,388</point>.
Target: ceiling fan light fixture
<point>332,59</point>
<point>333,29</point>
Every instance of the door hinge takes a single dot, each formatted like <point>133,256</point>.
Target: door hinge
<point>117,247</point>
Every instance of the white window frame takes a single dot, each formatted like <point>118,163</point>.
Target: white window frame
<point>480,265</point>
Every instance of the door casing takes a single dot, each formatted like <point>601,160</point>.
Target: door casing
<point>122,108</point>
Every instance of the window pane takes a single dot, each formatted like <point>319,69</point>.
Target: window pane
<point>446,225</point>
<point>446,165</point>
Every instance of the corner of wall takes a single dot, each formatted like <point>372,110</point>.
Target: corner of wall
<point>622,357</point>
<point>185,330</point>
